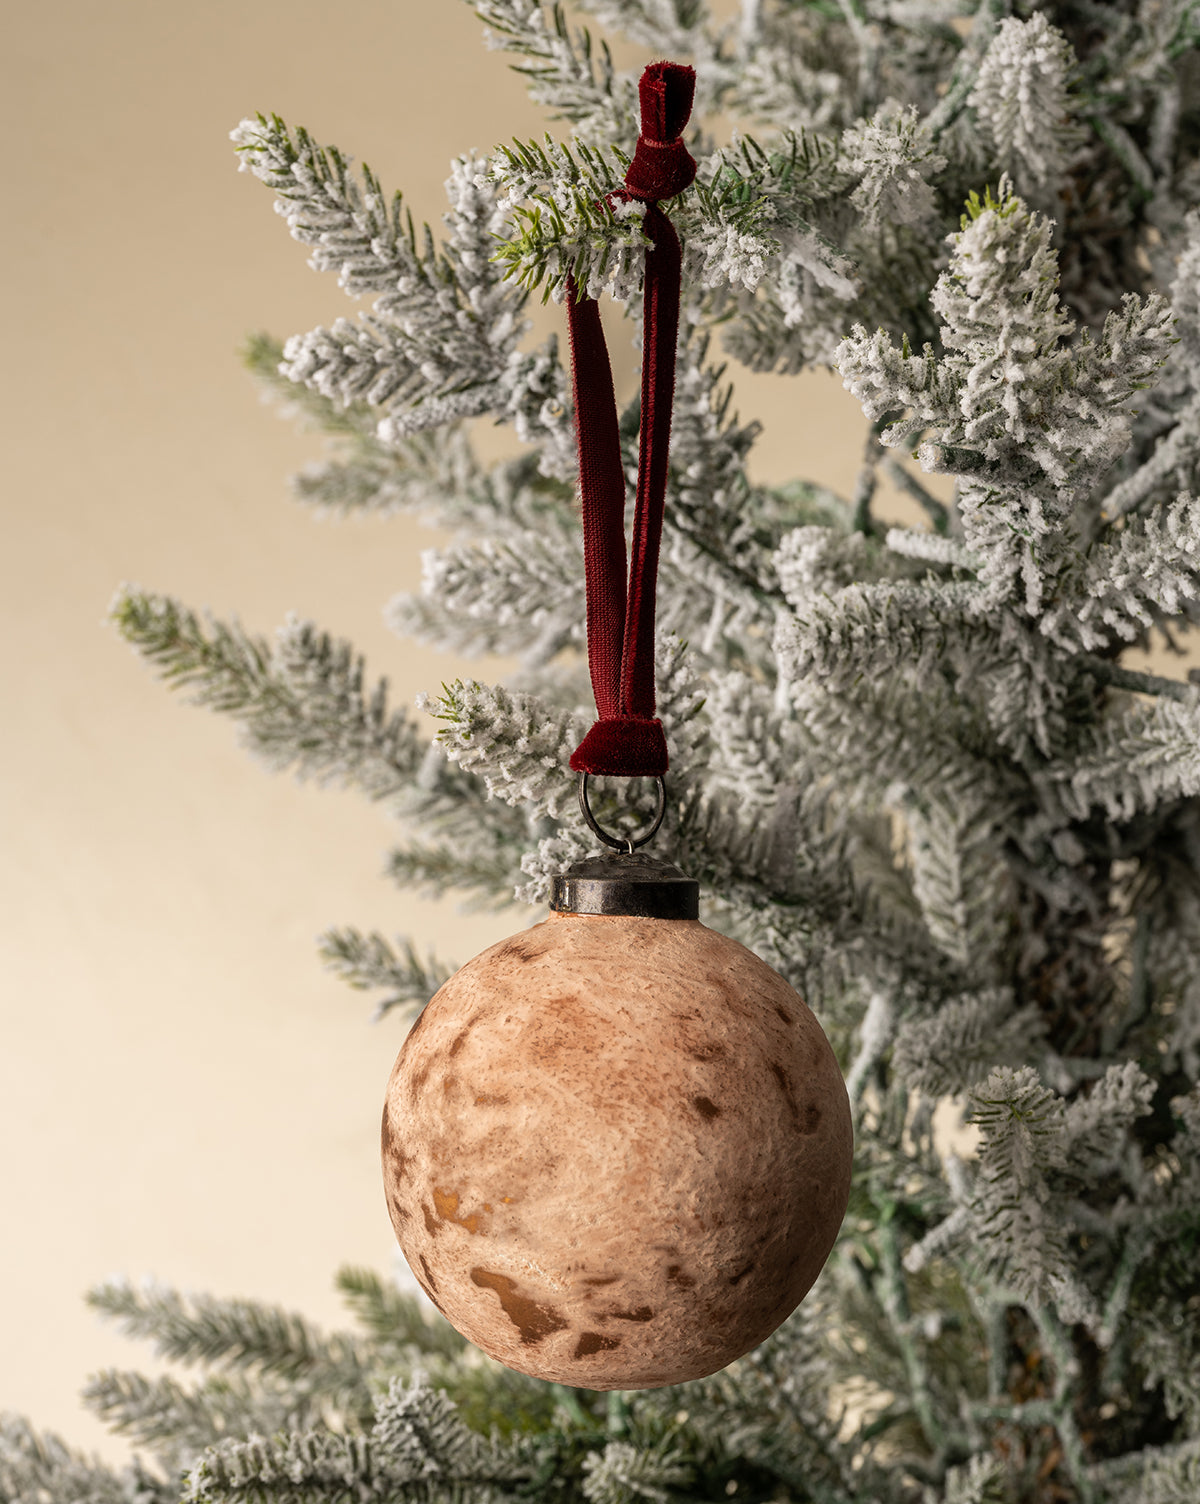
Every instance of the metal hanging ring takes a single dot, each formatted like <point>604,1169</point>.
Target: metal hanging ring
<point>627,844</point>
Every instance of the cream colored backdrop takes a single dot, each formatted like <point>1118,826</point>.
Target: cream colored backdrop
<point>185,1092</point>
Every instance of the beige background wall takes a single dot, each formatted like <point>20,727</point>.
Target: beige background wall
<point>183,1091</point>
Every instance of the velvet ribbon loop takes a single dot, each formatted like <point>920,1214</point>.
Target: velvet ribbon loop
<point>627,738</point>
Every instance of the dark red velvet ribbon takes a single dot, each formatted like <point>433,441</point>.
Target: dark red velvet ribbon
<point>627,739</point>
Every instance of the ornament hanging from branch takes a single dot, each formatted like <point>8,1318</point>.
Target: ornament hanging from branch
<point>617,1147</point>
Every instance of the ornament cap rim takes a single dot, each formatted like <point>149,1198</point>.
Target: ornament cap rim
<point>635,885</point>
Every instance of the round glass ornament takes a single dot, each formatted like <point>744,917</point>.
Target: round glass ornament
<point>617,1147</point>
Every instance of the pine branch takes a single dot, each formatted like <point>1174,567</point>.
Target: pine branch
<point>369,962</point>
<point>957,1046</point>
<point>346,734</point>
<point>229,668</point>
<point>1011,1229</point>
<point>568,222</point>
<point>755,748</point>
<point>790,862</point>
<point>783,76</point>
<point>427,471</point>
<point>1028,430</point>
<point>262,355</point>
<point>291,1469</point>
<point>444,327</point>
<point>516,592</point>
<point>419,1436</point>
<point>893,157</point>
<point>1106,672</point>
<point>1161,1475</point>
<point>871,631</point>
<point>669,28</point>
<point>1170,1357</point>
<point>418,1449</point>
<point>961,880</point>
<point>980,1480</point>
<point>1021,99</point>
<point>823,279</point>
<point>566,72</point>
<point>1172,457</point>
<point>732,526</point>
<point>301,705</point>
<point>874,735</point>
<point>935,547</point>
<point>797,168</point>
<point>355,229</point>
<point>1096,1125</point>
<point>380,483</point>
<point>573,223</point>
<point>624,1474</point>
<point>1149,571</point>
<point>875,1033</point>
<point>238,1333</point>
<point>488,875</point>
<point>177,1423</point>
<point>515,743</point>
<point>378,364</point>
<point>769,1413</point>
<point>393,1319</point>
<point>1137,756</point>
<point>820,561</point>
<point>727,231</point>
<point>469,833</point>
<point>892,1292</point>
<point>39,1468</point>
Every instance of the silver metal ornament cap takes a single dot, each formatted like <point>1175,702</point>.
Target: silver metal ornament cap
<point>632,884</point>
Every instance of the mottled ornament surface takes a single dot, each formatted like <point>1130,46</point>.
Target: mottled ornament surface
<point>616,1150</point>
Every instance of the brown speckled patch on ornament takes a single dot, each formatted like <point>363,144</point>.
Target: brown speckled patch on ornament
<point>616,1150</point>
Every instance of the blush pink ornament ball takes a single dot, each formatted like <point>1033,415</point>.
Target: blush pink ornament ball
<point>616,1150</point>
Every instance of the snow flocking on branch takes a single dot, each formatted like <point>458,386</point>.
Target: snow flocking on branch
<point>1021,97</point>
<point>1027,421</point>
<point>568,75</point>
<point>441,341</point>
<point>892,155</point>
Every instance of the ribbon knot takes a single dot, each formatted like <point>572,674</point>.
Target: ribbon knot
<point>627,738</point>
<point>662,166</point>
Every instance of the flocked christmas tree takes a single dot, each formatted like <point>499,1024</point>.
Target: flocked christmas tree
<point>907,764</point>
